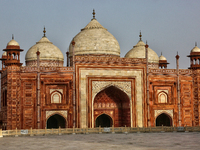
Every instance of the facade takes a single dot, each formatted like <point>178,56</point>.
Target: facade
<point>97,87</point>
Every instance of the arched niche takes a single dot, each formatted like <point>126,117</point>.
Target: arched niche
<point>162,97</point>
<point>55,121</point>
<point>115,103</point>
<point>103,120</point>
<point>163,120</point>
<point>56,97</point>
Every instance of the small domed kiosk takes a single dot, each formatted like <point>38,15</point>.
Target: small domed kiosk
<point>194,58</point>
<point>163,62</point>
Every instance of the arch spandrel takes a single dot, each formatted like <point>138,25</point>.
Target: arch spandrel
<point>168,112</point>
<point>98,86</point>
<point>62,113</point>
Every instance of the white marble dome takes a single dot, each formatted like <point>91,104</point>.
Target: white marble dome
<point>162,57</point>
<point>4,54</point>
<point>195,49</point>
<point>48,51</point>
<point>13,43</point>
<point>138,51</point>
<point>94,39</point>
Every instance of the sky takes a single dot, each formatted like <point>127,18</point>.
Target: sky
<point>169,26</point>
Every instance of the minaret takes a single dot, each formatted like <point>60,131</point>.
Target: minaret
<point>12,96</point>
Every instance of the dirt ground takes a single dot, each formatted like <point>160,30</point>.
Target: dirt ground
<point>131,141</point>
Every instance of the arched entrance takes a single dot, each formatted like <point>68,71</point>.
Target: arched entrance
<point>163,119</point>
<point>104,121</point>
<point>56,121</point>
<point>115,103</point>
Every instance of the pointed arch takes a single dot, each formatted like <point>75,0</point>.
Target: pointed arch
<point>56,97</point>
<point>163,120</point>
<point>103,120</point>
<point>162,97</point>
<point>115,103</point>
<point>56,121</point>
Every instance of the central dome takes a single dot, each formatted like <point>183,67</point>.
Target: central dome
<point>94,39</point>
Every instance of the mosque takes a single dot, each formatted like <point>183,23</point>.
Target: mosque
<point>97,87</point>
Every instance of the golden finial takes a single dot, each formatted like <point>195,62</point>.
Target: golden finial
<point>12,36</point>
<point>44,31</point>
<point>93,14</point>
<point>195,43</point>
<point>140,36</point>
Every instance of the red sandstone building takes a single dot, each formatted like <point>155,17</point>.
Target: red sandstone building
<point>97,87</point>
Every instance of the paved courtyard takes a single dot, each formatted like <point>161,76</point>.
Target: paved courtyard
<point>131,141</point>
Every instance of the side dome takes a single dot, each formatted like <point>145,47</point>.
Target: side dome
<point>94,39</point>
<point>50,55</point>
<point>138,51</point>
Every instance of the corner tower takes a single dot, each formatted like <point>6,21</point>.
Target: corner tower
<point>194,58</point>
<point>11,56</point>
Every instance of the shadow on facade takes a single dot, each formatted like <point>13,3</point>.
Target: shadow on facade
<point>56,121</point>
<point>163,119</point>
<point>104,121</point>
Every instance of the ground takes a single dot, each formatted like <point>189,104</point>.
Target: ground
<point>131,141</point>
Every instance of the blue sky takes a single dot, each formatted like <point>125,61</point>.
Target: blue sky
<point>168,25</point>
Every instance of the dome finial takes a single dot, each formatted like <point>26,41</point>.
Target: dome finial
<point>44,31</point>
<point>93,14</point>
<point>140,36</point>
<point>195,43</point>
<point>161,53</point>
<point>12,36</point>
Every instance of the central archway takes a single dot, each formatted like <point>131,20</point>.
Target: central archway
<point>104,121</point>
<point>164,120</point>
<point>56,121</point>
<point>115,103</point>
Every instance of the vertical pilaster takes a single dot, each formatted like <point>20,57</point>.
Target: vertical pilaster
<point>74,80</point>
<point>147,84</point>
<point>38,90</point>
<point>178,90</point>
